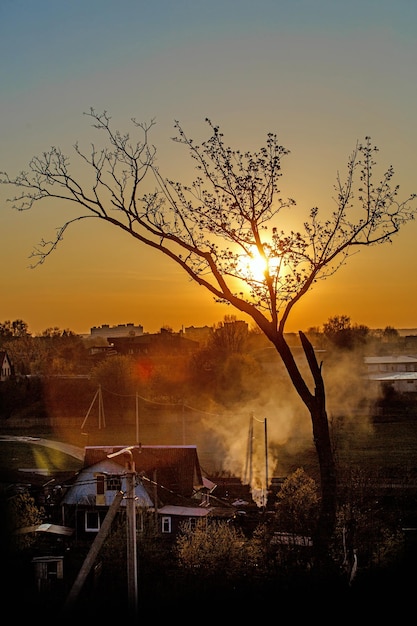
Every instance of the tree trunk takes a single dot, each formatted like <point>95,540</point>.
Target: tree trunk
<point>316,404</point>
<point>322,442</point>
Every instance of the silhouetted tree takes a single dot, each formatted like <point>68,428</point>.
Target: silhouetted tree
<point>294,519</point>
<point>13,330</point>
<point>119,380</point>
<point>222,367</point>
<point>342,334</point>
<point>297,504</point>
<point>212,228</point>
<point>229,336</point>
<point>54,352</point>
<point>218,551</point>
<point>22,512</point>
<point>389,333</point>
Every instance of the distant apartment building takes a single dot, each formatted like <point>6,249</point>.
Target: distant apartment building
<point>198,333</point>
<point>157,344</point>
<point>121,330</point>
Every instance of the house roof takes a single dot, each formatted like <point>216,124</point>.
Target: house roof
<point>53,529</point>
<point>167,477</point>
<point>184,511</point>
<point>171,468</point>
<point>83,489</point>
<point>4,357</point>
<point>390,359</point>
<point>155,344</point>
<point>393,376</point>
<point>225,512</point>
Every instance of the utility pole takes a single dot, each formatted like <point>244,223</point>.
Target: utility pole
<point>132,568</point>
<point>93,552</point>
<point>249,454</point>
<point>101,417</point>
<point>266,461</point>
<point>137,418</point>
<point>132,573</point>
<point>183,423</point>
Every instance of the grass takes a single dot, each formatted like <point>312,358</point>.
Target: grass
<point>389,446</point>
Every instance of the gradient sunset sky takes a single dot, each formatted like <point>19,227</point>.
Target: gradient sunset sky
<point>321,74</point>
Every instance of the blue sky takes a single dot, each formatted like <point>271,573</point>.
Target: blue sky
<point>320,74</point>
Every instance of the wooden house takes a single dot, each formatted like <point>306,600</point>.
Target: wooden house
<point>6,366</point>
<point>169,488</point>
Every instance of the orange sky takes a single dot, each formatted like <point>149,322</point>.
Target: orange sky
<point>320,76</point>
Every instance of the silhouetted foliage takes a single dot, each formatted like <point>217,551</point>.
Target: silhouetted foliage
<point>296,508</point>
<point>12,330</point>
<point>22,512</point>
<point>344,335</point>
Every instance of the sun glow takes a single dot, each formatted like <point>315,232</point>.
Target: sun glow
<point>253,266</point>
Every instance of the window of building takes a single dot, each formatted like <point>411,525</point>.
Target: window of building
<point>114,482</point>
<point>52,569</point>
<point>100,481</point>
<point>166,524</point>
<point>92,521</point>
<point>48,568</point>
<point>140,524</point>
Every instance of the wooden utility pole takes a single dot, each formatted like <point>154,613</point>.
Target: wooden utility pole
<point>101,416</point>
<point>132,568</point>
<point>93,552</point>
<point>132,573</point>
<point>249,454</point>
<point>137,417</point>
<point>266,462</point>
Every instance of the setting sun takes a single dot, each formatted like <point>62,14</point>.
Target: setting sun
<point>253,266</point>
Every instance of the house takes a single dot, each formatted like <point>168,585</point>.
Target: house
<point>6,366</point>
<point>398,371</point>
<point>86,502</point>
<point>169,488</point>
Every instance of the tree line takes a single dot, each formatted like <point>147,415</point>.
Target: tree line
<point>56,373</point>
